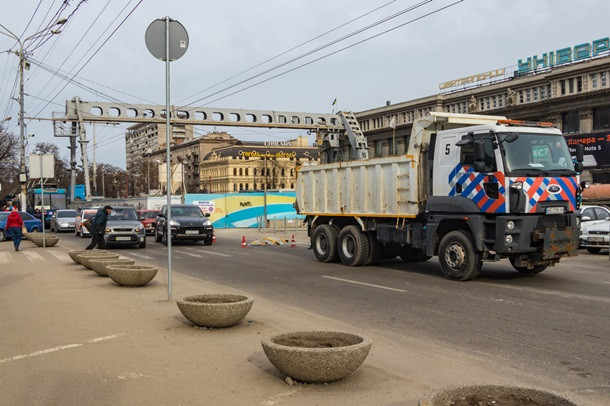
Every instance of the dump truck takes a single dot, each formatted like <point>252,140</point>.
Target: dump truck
<point>470,188</point>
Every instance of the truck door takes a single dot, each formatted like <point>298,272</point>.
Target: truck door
<point>446,157</point>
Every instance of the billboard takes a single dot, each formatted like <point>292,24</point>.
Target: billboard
<point>597,148</point>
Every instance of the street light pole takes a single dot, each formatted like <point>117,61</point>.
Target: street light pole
<point>22,61</point>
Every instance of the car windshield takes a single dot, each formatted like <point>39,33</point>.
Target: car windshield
<point>188,211</point>
<point>89,215</point>
<point>150,214</point>
<point>123,214</point>
<point>3,216</point>
<point>534,154</point>
<point>67,213</point>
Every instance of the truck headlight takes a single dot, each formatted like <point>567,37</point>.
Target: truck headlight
<point>508,239</point>
<point>510,224</point>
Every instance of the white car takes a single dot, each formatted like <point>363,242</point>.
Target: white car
<point>593,213</point>
<point>595,235</point>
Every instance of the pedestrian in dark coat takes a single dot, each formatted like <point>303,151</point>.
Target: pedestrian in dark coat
<point>14,224</point>
<point>98,228</point>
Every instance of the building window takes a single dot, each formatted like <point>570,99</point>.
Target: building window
<point>521,96</point>
<point>234,172</point>
<point>579,84</point>
<point>542,93</point>
<point>487,99</point>
<point>562,85</point>
<point>601,118</point>
<point>292,186</point>
<point>594,80</point>
<point>234,187</point>
<point>482,105</point>
<point>241,172</point>
<point>535,94</point>
<point>571,85</point>
<point>378,148</point>
<point>246,171</point>
<point>254,170</point>
<point>241,187</point>
<point>283,172</point>
<point>528,95</point>
<point>495,100</point>
<point>570,122</point>
<point>391,147</point>
<point>603,79</point>
<point>292,172</point>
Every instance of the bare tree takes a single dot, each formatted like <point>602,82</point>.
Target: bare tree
<point>9,144</point>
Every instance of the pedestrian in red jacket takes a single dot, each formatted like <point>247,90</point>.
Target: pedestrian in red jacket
<point>14,223</point>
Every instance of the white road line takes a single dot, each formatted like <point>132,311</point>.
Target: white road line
<point>62,256</point>
<point>188,253</point>
<point>365,284</point>
<point>206,252</point>
<point>5,258</point>
<point>63,347</point>
<point>32,256</point>
<point>139,255</point>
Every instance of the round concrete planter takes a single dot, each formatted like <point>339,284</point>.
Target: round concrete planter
<point>50,240</point>
<point>131,275</point>
<point>73,254</point>
<point>85,258</point>
<point>317,356</point>
<point>215,310</point>
<point>492,394</point>
<point>99,265</point>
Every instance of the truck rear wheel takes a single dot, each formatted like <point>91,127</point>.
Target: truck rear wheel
<point>324,243</point>
<point>458,258</point>
<point>374,249</point>
<point>524,270</point>
<point>353,246</point>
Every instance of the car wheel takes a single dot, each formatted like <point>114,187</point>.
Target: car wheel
<point>34,230</point>
<point>164,239</point>
<point>142,245</point>
<point>208,241</point>
<point>157,236</point>
<point>594,250</point>
<point>2,235</point>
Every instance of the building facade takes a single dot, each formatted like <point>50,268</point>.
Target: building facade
<point>255,166</point>
<point>574,97</point>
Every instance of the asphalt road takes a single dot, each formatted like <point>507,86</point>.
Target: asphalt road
<point>554,325</point>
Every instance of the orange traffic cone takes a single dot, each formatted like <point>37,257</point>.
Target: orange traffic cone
<point>293,244</point>
<point>213,237</point>
<point>243,242</point>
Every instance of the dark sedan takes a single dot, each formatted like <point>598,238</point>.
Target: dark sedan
<point>187,223</point>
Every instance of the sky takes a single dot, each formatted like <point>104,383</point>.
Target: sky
<point>229,37</point>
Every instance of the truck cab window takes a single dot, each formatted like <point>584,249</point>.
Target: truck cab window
<point>467,154</point>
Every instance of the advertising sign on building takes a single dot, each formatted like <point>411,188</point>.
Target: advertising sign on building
<point>206,206</point>
<point>597,148</point>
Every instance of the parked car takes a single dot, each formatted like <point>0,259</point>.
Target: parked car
<point>63,220</point>
<point>79,228</point>
<point>596,236</point>
<point>124,228</point>
<point>593,213</point>
<point>148,219</point>
<point>188,223</point>
<point>31,223</point>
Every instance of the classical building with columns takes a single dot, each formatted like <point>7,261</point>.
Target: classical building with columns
<point>575,97</point>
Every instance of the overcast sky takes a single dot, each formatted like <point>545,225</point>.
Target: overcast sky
<point>231,36</point>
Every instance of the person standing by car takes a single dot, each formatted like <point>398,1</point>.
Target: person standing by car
<point>14,224</point>
<point>98,228</point>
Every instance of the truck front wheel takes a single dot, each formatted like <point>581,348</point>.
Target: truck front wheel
<point>353,246</point>
<point>324,243</point>
<point>458,258</point>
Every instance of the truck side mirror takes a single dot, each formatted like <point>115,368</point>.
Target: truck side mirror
<point>579,167</point>
<point>580,153</point>
<point>479,156</point>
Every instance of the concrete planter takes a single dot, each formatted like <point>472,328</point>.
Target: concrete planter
<point>50,240</point>
<point>317,356</point>
<point>73,254</point>
<point>131,275</point>
<point>215,310</point>
<point>492,394</point>
<point>99,265</point>
<point>86,257</point>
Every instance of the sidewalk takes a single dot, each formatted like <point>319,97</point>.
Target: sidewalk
<point>70,337</point>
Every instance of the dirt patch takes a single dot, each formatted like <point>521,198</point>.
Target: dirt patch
<point>314,342</point>
<point>498,400</point>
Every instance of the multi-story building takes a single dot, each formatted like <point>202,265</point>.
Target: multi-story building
<point>252,165</point>
<point>574,97</point>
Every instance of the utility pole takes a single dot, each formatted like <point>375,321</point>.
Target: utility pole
<point>94,163</point>
<point>22,66</point>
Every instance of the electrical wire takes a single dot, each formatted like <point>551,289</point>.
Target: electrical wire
<point>31,18</point>
<point>290,49</point>
<point>333,42</point>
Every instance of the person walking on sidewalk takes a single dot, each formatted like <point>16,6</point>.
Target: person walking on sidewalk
<point>14,223</point>
<point>98,228</point>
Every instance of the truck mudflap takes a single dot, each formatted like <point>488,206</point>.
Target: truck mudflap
<point>557,243</point>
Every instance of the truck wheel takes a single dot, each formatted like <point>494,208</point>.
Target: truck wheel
<point>374,249</point>
<point>413,255</point>
<point>458,258</point>
<point>524,270</point>
<point>594,250</point>
<point>324,243</point>
<point>353,246</point>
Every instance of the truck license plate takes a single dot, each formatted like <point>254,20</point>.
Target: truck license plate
<point>596,239</point>
<point>555,210</point>
<point>123,238</point>
<point>192,231</point>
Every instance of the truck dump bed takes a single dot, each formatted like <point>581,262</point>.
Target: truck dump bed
<point>379,187</point>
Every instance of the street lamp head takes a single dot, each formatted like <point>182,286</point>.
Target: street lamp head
<point>55,32</point>
<point>61,21</point>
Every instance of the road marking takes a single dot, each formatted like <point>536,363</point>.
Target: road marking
<point>188,253</point>
<point>365,284</point>
<point>547,292</point>
<point>62,256</point>
<point>63,347</point>
<point>220,254</point>
<point>139,255</point>
<point>32,256</point>
<point>5,258</point>
<point>274,400</point>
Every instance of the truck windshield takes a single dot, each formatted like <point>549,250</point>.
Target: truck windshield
<point>534,154</point>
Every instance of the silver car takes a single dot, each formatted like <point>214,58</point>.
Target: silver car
<point>63,220</point>
<point>596,236</point>
<point>124,228</point>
